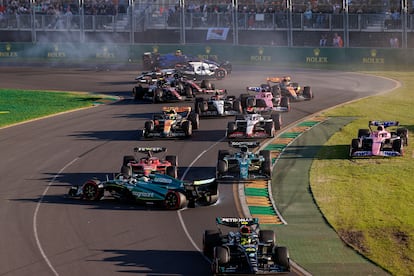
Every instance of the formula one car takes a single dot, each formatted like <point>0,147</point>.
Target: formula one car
<point>189,66</point>
<point>169,85</point>
<point>283,87</point>
<point>248,250</point>
<point>218,105</point>
<point>264,100</point>
<point>173,122</point>
<point>149,164</point>
<point>158,189</point>
<point>379,142</point>
<point>254,125</point>
<point>162,89</point>
<point>244,164</point>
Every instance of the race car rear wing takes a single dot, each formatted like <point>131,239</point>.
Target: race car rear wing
<point>150,149</point>
<point>240,144</point>
<point>278,79</point>
<point>177,109</point>
<point>383,123</point>
<point>236,222</point>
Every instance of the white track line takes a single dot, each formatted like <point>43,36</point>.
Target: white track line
<point>35,224</point>
<point>182,177</point>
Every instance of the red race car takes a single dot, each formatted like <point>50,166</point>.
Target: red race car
<point>132,165</point>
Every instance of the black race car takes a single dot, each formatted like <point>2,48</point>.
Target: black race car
<point>247,250</point>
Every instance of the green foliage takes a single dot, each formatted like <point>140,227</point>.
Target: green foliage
<point>370,201</point>
<point>21,105</point>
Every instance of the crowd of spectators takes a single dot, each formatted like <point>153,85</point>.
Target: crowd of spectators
<point>252,13</point>
<point>97,7</point>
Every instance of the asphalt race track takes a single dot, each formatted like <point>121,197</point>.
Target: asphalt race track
<point>45,233</point>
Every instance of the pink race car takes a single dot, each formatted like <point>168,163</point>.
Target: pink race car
<point>379,142</point>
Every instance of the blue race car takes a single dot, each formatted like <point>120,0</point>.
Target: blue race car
<point>248,250</point>
<point>158,189</point>
<point>244,164</point>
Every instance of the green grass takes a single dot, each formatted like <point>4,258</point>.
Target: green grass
<point>370,202</point>
<point>20,105</point>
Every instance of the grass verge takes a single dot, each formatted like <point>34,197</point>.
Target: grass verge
<point>21,105</point>
<point>370,201</point>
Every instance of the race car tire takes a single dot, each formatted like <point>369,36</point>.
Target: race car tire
<point>285,102</point>
<point>206,84</point>
<point>307,93</point>
<point>355,144</point>
<point>403,133</point>
<point>134,94</point>
<point>222,167</point>
<point>277,119</point>
<point>281,257</point>
<point>222,154</point>
<point>266,155</point>
<point>188,92</point>
<point>172,171</point>
<point>188,128</point>
<point>220,73</point>
<point>126,170</point>
<point>148,62</point>
<point>237,106</point>
<point>276,91</point>
<point>243,100</point>
<point>200,105</point>
<point>149,126</point>
<point>266,168</point>
<point>127,159</point>
<point>363,132</point>
<point>260,103</point>
<point>397,146</point>
<point>270,129</point>
<point>211,239</point>
<point>195,120</point>
<point>222,254</point>
<point>174,200</point>
<point>180,87</point>
<point>211,199</point>
<point>172,159</point>
<point>268,237</point>
<point>158,94</point>
<point>251,102</point>
<point>231,127</point>
<point>91,190</point>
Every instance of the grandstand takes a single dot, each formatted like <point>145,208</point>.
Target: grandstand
<point>292,23</point>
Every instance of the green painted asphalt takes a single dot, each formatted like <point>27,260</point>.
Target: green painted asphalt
<point>312,243</point>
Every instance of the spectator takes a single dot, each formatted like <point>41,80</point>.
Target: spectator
<point>337,41</point>
<point>394,42</point>
<point>323,40</point>
<point>307,16</point>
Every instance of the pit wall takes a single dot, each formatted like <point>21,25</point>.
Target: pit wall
<point>311,57</point>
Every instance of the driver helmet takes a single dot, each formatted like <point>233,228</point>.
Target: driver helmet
<point>178,52</point>
<point>144,178</point>
<point>245,230</point>
<point>380,128</point>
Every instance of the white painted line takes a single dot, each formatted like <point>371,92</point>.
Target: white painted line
<point>35,224</point>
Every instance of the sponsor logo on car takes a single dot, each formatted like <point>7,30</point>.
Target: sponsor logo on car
<point>143,194</point>
<point>162,180</point>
